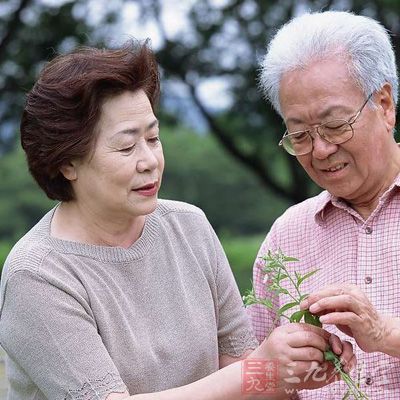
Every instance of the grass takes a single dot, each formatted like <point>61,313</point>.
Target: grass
<point>241,252</point>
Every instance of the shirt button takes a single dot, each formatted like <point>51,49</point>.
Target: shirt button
<point>368,280</point>
<point>368,230</point>
<point>368,381</point>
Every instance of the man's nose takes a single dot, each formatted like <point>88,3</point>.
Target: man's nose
<point>322,149</point>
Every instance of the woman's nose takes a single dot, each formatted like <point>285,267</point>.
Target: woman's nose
<point>147,159</point>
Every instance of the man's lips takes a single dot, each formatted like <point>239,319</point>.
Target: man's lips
<point>334,168</point>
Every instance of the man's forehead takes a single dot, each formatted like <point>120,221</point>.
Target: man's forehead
<point>298,115</point>
<point>324,88</point>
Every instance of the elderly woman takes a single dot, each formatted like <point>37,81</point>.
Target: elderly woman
<point>115,293</point>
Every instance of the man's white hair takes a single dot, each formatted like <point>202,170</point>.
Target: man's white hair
<point>363,43</point>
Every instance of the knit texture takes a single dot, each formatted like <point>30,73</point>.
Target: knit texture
<point>81,321</point>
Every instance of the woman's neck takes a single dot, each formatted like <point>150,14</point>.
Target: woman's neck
<point>74,222</point>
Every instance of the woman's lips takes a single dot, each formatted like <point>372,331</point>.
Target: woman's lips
<point>147,190</point>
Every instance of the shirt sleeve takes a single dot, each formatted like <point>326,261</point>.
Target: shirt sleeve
<point>263,319</point>
<point>49,332</point>
<point>235,335</point>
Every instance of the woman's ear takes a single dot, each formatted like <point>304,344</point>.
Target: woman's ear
<point>69,171</point>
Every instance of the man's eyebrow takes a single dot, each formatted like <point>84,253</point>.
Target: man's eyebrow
<point>339,107</point>
<point>324,114</point>
<point>135,131</point>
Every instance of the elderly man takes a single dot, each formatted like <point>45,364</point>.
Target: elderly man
<point>332,77</point>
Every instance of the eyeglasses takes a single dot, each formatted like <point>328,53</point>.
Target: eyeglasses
<point>337,131</point>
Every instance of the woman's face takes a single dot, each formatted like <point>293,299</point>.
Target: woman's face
<point>122,176</point>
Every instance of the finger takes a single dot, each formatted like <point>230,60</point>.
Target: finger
<point>328,291</point>
<point>336,344</point>
<point>344,302</point>
<point>307,339</point>
<point>301,327</point>
<point>306,354</point>
<point>351,364</point>
<point>299,368</point>
<point>346,318</point>
<point>347,353</point>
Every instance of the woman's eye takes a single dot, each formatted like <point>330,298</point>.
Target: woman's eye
<point>127,149</point>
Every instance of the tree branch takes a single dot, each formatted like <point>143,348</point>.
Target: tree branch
<point>12,26</point>
<point>250,161</point>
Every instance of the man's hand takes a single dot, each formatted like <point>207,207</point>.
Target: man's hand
<point>347,307</point>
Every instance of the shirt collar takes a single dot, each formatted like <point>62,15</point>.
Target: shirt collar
<point>327,201</point>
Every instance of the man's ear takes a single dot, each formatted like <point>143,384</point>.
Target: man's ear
<point>69,171</point>
<point>386,103</point>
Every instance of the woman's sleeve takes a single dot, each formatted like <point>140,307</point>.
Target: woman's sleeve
<point>50,335</point>
<point>235,334</point>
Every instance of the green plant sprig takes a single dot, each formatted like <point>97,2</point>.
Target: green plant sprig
<point>276,271</point>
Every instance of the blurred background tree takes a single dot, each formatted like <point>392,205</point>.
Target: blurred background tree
<point>219,135</point>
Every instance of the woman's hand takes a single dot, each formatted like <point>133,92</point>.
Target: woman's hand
<point>344,350</point>
<point>298,350</point>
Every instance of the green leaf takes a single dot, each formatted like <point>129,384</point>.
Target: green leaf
<point>297,316</point>
<point>287,307</point>
<point>282,277</point>
<point>289,259</point>
<point>267,303</point>
<point>311,319</point>
<point>302,297</point>
<point>307,275</point>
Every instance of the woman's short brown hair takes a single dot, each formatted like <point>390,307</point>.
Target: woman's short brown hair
<point>63,107</point>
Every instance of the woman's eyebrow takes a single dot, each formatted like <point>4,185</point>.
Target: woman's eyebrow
<point>135,131</point>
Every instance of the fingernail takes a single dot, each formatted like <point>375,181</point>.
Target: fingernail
<point>315,307</point>
<point>323,318</point>
<point>304,304</point>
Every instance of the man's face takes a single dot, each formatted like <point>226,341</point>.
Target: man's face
<point>361,168</point>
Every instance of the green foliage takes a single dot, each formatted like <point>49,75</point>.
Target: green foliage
<point>5,248</point>
<point>241,252</point>
<point>224,41</point>
<point>41,32</point>
<point>22,203</point>
<point>199,171</point>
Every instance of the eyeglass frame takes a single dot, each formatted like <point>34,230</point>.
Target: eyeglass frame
<point>350,122</point>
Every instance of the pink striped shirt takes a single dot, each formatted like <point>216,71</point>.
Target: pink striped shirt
<point>323,232</point>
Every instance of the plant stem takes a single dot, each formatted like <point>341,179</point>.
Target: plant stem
<point>275,264</point>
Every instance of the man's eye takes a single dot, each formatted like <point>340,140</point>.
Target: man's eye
<point>154,139</point>
<point>336,125</point>
<point>298,137</point>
